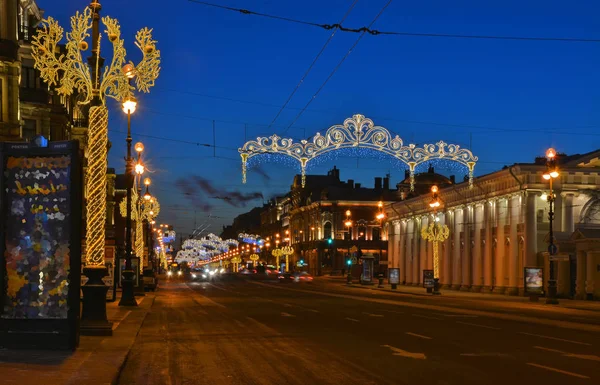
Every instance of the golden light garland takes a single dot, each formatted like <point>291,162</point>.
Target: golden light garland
<point>435,233</point>
<point>356,132</point>
<point>69,72</point>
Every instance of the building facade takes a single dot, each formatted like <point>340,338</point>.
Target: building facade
<point>500,226</point>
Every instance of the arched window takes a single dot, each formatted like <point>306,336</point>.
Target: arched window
<point>362,233</point>
<point>327,230</point>
<point>376,234</point>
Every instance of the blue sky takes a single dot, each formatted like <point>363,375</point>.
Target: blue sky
<point>499,97</point>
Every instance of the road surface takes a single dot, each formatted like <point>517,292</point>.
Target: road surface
<point>237,331</point>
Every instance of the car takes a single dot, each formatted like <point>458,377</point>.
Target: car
<point>150,279</point>
<point>297,277</point>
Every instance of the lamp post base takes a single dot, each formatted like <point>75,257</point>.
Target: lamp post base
<point>552,292</point>
<point>93,315</point>
<point>127,297</point>
<point>349,279</point>
<point>436,287</point>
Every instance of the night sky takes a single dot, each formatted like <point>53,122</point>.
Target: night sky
<point>506,100</point>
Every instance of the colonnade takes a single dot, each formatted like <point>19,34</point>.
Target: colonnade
<point>490,243</point>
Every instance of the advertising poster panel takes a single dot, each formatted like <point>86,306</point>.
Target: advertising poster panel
<point>40,241</point>
<point>534,281</point>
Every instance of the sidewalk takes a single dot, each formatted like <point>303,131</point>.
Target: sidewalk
<point>98,360</point>
<point>465,295</point>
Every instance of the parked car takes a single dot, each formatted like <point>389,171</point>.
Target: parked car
<point>150,280</point>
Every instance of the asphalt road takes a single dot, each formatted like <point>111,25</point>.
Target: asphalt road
<point>247,332</point>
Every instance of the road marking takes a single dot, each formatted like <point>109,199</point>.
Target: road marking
<point>404,353</point>
<point>352,319</point>
<point>393,311</point>
<point>313,310</point>
<point>493,354</point>
<point>373,315</point>
<point>284,314</point>
<point>480,326</point>
<point>558,370</point>
<point>457,315</point>
<point>287,305</point>
<point>425,316</point>
<point>556,339</point>
<point>418,335</point>
<point>264,327</point>
<point>588,357</point>
<point>549,350</point>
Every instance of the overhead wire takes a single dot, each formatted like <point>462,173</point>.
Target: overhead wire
<point>310,67</point>
<point>335,68</point>
<point>374,32</point>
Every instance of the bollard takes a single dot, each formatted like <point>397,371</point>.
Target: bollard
<point>380,281</point>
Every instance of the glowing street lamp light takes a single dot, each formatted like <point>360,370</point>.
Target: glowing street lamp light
<point>550,174</point>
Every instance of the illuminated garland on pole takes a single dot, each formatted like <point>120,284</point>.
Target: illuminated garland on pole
<point>287,251</point>
<point>69,72</point>
<point>254,258</point>
<point>435,233</point>
<point>357,132</point>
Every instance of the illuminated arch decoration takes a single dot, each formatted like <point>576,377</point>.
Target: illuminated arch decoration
<point>357,132</point>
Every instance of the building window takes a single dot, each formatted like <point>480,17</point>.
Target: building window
<point>28,77</point>
<point>29,129</point>
<point>376,234</point>
<point>362,233</point>
<point>327,230</point>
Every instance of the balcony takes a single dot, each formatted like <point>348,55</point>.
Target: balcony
<point>34,95</point>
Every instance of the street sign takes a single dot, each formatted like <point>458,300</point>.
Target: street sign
<point>552,249</point>
<point>559,257</point>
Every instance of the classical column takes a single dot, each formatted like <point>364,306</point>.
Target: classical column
<point>456,257</point>
<point>399,228</point>
<point>531,230</point>
<point>410,250</point>
<point>446,278</point>
<point>415,252</point>
<point>487,246</point>
<point>423,247</point>
<point>500,245</point>
<point>513,254</point>
<point>590,270</point>
<point>568,222</point>
<point>477,254</point>
<point>467,212</point>
<point>581,275</point>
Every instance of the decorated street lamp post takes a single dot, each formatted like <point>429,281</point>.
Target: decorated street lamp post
<point>435,233</point>
<point>550,174</point>
<point>287,251</point>
<point>70,73</point>
<point>254,258</point>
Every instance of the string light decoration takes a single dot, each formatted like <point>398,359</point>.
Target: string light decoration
<point>141,210</point>
<point>287,251</point>
<point>356,132</point>
<point>70,73</point>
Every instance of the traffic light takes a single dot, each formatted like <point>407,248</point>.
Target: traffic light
<point>349,262</point>
<point>302,261</point>
<point>330,241</point>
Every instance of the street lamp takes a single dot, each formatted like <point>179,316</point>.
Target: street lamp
<point>127,296</point>
<point>435,233</point>
<point>550,174</point>
<point>348,224</point>
<point>69,73</point>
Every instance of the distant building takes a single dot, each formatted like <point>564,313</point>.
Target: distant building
<point>500,226</point>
